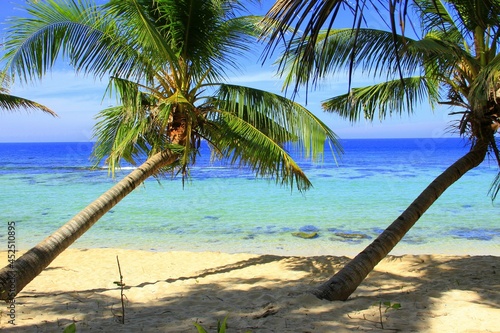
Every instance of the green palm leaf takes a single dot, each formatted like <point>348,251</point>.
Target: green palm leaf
<point>14,103</point>
<point>487,81</point>
<point>283,120</point>
<point>77,30</point>
<point>120,135</point>
<point>396,96</point>
<point>243,144</point>
<point>373,52</point>
<point>10,102</point>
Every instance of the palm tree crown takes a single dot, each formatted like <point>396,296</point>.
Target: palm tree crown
<point>166,60</point>
<point>455,62</point>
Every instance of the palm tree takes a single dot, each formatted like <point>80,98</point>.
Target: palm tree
<point>10,102</point>
<point>455,62</point>
<point>167,60</point>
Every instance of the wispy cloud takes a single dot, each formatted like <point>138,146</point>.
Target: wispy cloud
<point>61,83</point>
<point>264,76</point>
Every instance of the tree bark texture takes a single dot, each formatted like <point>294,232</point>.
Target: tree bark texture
<point>14,277</point>
<point>347,280</point>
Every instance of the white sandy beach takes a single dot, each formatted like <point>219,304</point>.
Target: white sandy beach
<point>169,291</point>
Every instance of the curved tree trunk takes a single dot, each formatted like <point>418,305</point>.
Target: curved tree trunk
<point>14,277</point>
<point>345,281</point>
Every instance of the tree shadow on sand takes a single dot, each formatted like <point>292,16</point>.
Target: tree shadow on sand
<point>259,297</point>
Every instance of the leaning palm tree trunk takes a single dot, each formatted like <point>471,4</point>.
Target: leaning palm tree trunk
<point>14,277</point>
<point>345,282</point>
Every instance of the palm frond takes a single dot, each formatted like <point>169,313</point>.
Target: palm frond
<point>434,16</point>
<point>77,30</point>
<point>137,25</point>
<point>129,93</point>
<point>292,15</point>
<point>34,43</point>
<point>386,98</point>
<point>241,143</point>
<point>14,103</point>
<point>119,135</point>
<point>307,20</point>
<point>368,50</point>
<point>486,83</point>
<point>495,187</point>
<point>371,52</point>
<point>10,102</point>
<point>237,36</point>
<point>282,119</point>
<point>476,14</point>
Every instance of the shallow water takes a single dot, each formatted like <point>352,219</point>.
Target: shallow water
<point>226,209</point>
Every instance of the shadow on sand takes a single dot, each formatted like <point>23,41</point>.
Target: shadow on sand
<point>270,294</point>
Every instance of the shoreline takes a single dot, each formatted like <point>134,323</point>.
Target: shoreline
<point>290,246</point>
<point>169,291</point>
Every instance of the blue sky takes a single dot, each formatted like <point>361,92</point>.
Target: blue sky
<point>77,99</point>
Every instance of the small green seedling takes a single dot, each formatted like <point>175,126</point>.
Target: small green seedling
<point>221,326</point>
<point>71,328</point>
<point>122,286</point>
<point>388,305</point>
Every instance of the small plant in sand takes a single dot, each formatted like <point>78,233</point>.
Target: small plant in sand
<point>388,305</point>
<point>221,327</point>
<point>71,328</point>
<point>122,286</point>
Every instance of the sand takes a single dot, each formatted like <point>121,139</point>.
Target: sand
<point>168,292</point>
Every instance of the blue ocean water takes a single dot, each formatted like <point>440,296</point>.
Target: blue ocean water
<point>222,208</point>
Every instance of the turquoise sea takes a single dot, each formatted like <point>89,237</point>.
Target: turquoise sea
<point>222,208</point>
